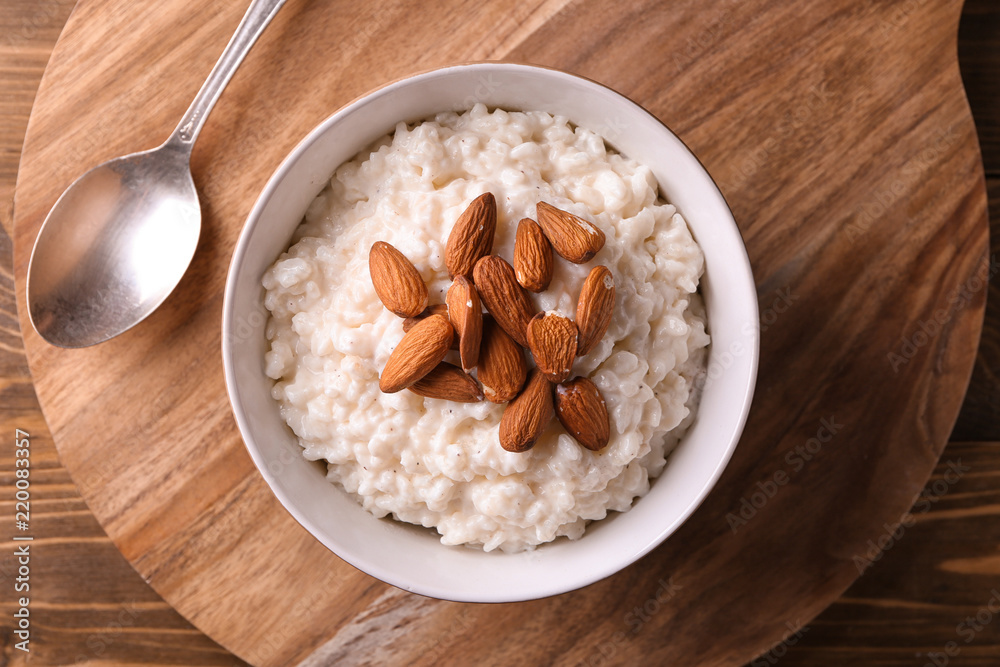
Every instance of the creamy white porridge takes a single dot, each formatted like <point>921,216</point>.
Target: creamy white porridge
<point>439,463</point>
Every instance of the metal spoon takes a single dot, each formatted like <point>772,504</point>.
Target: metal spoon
<point>120,238</point>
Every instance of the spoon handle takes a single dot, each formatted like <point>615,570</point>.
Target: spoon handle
<point>254,21</point>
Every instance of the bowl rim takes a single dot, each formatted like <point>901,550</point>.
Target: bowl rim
<point>228,323</point>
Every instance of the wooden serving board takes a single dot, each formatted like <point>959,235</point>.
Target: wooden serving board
<point>839,133</point>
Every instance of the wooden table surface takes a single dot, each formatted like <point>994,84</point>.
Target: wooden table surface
<point>89,605</point>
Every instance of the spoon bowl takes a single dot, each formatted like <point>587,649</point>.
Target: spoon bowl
<point>113,247</point>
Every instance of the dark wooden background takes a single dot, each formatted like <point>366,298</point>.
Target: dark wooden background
<point>929,594</point>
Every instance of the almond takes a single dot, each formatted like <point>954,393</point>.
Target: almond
<point>582,411</point>
<point>504,297</point>
<point>472,236</point>
<point>396,280</point>
<point>466,316</point>
<point>574,238</point>
<point>532,256</point>
<point>527,415</point>
<point>552,341</point>
<point>436,309</point>
<point>450,383</point>
<point>502,368</point>
<point>420,350</point>
<point>594,308</point>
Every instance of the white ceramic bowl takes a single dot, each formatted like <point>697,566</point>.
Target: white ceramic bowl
<point>412,557</point>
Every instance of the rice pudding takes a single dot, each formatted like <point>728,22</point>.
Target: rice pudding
<point>438,463</point>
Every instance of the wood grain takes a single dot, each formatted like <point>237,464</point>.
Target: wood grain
<point>979,55</point>
<point>384,622</point>
<point>933,577</point>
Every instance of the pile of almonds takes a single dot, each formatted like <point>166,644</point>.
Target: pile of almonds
<point>493,343</point>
